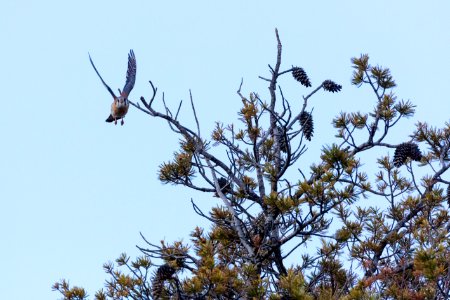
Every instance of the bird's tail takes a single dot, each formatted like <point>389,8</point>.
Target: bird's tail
<point>110,119</point>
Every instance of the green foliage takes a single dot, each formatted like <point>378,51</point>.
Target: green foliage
<point>293,286</point>
<point>365,73</point>
<point>179,171</point>
<point>74,293</point>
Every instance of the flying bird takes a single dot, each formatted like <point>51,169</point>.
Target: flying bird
<point>119,107</point>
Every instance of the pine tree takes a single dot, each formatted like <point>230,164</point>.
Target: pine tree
<point>353,233</point>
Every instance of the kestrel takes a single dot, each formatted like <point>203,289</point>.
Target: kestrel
<point>119,107</point>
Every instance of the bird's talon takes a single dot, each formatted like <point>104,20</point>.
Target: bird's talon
<point>115,122</point>
<point>122,122</point>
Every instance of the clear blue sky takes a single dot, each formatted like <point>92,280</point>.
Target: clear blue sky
<point>75,191</point>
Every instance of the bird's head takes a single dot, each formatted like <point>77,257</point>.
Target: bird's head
<point>121,101</point>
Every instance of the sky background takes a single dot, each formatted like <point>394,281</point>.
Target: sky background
<point>75,191</point>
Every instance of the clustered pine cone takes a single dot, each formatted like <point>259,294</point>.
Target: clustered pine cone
<point>163,273</point>
<point>405,151</point>
<point>306,122</point>
<point>331,86</point>
<point>225,186</point>
<point>281,139</point>
<point>301,76</point>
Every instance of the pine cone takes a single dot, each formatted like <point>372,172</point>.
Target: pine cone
<point>405,151</point>
<point>157,287</point>
<point>415,153</point>
<point>448,195</point>
<point>165,272</point>
<point>281,139</point>
<point>330,86</point>
<point>306,122</point>
<point>301,76</point>
<point>225,186</point>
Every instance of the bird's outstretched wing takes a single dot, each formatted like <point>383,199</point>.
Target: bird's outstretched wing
<point>131,75</point>
<point>104,83</point>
